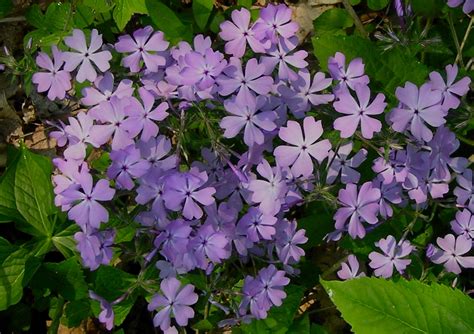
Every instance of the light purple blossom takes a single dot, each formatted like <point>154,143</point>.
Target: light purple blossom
<point>464,192</point>
<point>351,76</point>
<point>271,283</point>
<point>274,22</point>
<point>202,69</point>
<point>350,269</point>
<point>238,32</point>
<point>145,44</point>
<point>173,240</point>
<point>467,8</point>
<point>126,166</point>
<point>345,166</point>
<point>55,81</point>
<point>393,256</point>
<point>104,89</point>
<point>287,240</point>
<point>305,146</point>
<point>452,251</point>
<point>86,56</point>
<point>359,112</point>
<point>257,225</point>
<point>209,245</point>
<point>174,301</point>
<point>106,315</point>
<point>357,206</point>
<point>464,224</point>
<point>452,91</point>
<point>418,106</point>
<point>95,247</point>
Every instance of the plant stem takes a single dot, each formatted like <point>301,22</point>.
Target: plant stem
<point>455,37</point>
<point>464,40</point>
<point>13,19</point>
<point>355,17</point>
<point>53,329</point>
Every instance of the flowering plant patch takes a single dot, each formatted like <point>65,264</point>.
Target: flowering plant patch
<point>191,167</point>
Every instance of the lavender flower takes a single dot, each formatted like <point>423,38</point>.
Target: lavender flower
<point>452,91</point>
<point>271,282</point>
<point>287,241</point>
<point>393,256</point>
<point>106,315</point>
<point>174,302</point>
<point>351,76</point>
<point>464,192</point>
<point>145,44</point>
<point>256,225</point>
<point>304,146</point>
<point>202,69</point>
<point>104,89</point>
<point>350,269</point>
<point>467,8</point>
<point>274,22</point>
<point>95,247</point>
<point>451,253</point>
<point>418,106</point>
<point>209,245</point>
<point>56,81</point>
<point>340,164</point>
<point>357,207</point>
<point>359,112</point>
<point>126,165</point>
<point>464,224</point>
<point>86,56</point>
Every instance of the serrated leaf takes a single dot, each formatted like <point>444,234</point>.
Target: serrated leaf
<point>58,17</point>
<point>202,10</point>
<point>124,10</point>
<point>372,305</point>
<point>377,4</point>
<point>99,6</point>
<point>34,16</point>
<point>332,21</point>
<point>110,282</point>
<point>167,21</point>
<point>75,312</point>
<point>12,272</point>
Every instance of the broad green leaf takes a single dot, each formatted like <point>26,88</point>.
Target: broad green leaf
<point>58,17</point>
<point>332,21</point>
<point>429,8</point>
<point>202,10</point>
<point>33,192</point>
<point>124,10</point>
<point>301,325</point>
<point>167,21</point>
<point>34,16</point>
<point>12,272</point>
<point>67,278</point>
<point>110,282</point>
<point>245,3</point>
<point>377,4</point>
<point>64,240</point>
<point>99,6</point>
<point>372,305</point>
<point>83,17</point>
<point>387,69</point>
<point>75,312</point>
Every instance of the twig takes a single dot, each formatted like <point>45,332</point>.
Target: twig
<point>464,40</point>
<point>455,37</point>
<point>355,17</point>
<point>13,19</point>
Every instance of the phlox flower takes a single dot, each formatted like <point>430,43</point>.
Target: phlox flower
<point>256,225</point>
<point>348,77</point>
<point>350,269</point>
<point>393,256</point>
<point>95,247</point>
<point>287,240</point>
<point>452,91</point>
<point>340,163</point>
<point>104,89</point>
<point>126,165</point>
<point>464,192</point>
<point>209,245</point>
<point>274,22</point>
<point>464,224</point>
<point>452,251</point>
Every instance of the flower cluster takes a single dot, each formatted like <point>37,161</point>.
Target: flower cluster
<point>269,154</point>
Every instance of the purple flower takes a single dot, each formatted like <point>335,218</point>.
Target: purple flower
<point>106,315</point>
<point>202,69</point>
<point>126,165</point>
<point>464,224</point>
<point>418,106</point>
<point>304,146</point>
<point>245,114</point>
<point>351,76</point>
<point>270,193</point>
<point>357,207</point>
<point>303,93</point>
<point>238,33</point>
<point>271,283</point>
<point>257,225</point>
<point>393,256</point>
<point>174,239</point>
<point>281,55</point>
<point>275,22</point>
<point>452,91</point>
<point>443,144</point>
<point>145,44</point>
<point>59,134</point>
<point>87,211</point>
<point>390,193</point>
<point>174,302</point>
<point>350,269</point>
<point>155,151</point>
<point>188,188</point>
<point>209,244</point>
<point>451,253</point>
<point>340,164</point>
<point>95,247</point>
<point>86,55</point>
<point>359,112</point>
<point>464,192</point>
<point>142,118</point>
<point>467,8</point>
<point>103,90</point>
<point>287,241</point>
<point>253,79</point>
<point>250,299</point>
<point>56,81</point>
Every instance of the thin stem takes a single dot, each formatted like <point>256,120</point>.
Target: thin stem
<point>13,19</point>
<point>355,17</point>
<point>455,37</point>
<point>464,40</point>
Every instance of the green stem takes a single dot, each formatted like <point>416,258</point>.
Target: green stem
<point>464,40</point>
<point>455,37</point>
<point>53,329</point>
<point>466,140</point>
<point>355,17</point>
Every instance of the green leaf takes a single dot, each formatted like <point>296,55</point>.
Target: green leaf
<point>429,8</point>
<point>377,4</point>
<point>167,21</point>
<point>202,10</point>
<point>75,312</point>
<point>110,282</point>
<point>67,278</point>
<point>5,7</point>
<point>58,17</point>
<point>332,21</point>
<point>372,305</point>
<point>388,69</point>
<point>300,325</point>
<point>124,10</point>
<point>34,16</point>
<point>12,273</point>
<point>33,192</point>
<point>245,3</point>
<point>99,6</point>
